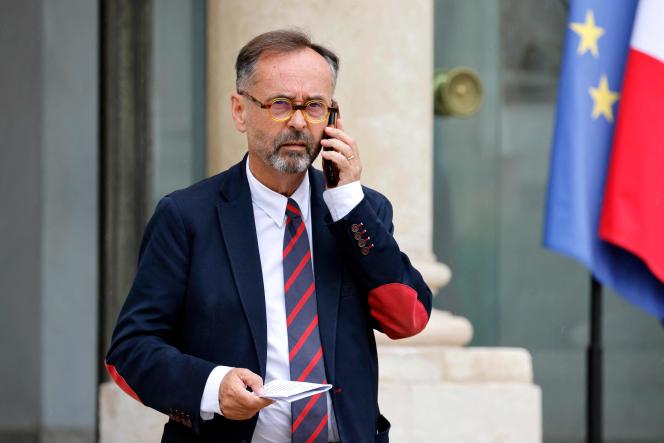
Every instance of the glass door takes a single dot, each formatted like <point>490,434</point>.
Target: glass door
<point>490,176</point>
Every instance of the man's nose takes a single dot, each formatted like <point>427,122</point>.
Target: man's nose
<point>297,120</point>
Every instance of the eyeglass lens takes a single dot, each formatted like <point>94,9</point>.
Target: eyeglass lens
<point>314,110</point>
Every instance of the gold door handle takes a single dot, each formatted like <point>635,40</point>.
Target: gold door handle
<point>457,92</point>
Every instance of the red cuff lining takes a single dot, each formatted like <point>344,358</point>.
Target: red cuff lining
<point>398,310</point>
<point>115,375</point>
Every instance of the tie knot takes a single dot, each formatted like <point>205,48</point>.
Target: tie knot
<point>292,209</point>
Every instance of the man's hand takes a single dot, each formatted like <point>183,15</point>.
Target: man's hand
<point>345,155</point>
<point>236,402</point>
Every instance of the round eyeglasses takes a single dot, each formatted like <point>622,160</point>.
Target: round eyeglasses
<point>282,108</point>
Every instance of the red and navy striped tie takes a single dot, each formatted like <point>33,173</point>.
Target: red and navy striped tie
<point>309,415</point>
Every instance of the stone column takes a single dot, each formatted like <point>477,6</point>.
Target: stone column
<point>385,95</point>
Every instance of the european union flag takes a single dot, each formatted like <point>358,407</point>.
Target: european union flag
<point>596,47</point>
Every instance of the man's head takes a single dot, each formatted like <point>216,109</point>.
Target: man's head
<point>283,64</point>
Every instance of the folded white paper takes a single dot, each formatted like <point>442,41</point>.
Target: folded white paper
<point>284,390</point>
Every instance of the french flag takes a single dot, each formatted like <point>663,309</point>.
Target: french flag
<point>633,209</point>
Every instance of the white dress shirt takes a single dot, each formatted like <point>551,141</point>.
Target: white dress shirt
<point>274,421</point>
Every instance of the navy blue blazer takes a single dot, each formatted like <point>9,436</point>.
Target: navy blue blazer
<point>197,301</point>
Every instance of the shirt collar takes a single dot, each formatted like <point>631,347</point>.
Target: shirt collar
<point>273,203</point>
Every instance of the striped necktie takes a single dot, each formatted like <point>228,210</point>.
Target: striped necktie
<point>309,415</point>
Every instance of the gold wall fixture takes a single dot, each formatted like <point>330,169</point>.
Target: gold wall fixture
<point>457,92</point>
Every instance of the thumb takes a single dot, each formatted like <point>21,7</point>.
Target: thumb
<point>254,381</point>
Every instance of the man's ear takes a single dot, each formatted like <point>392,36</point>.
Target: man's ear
<point>238,109</point>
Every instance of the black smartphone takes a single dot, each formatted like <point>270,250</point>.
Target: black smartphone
<point>329,169</point>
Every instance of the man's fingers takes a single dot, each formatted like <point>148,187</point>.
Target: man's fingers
<point>338,146</point>
<point>244,405</point>
<point>341,135</point>
<point>336,158</point>
<point>349,168</point>
<point>237,403</point>
<point>258,403</point>
<point>254,381</point>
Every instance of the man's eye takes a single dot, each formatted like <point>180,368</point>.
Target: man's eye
<point>316,107</point>
<point>281,104</point>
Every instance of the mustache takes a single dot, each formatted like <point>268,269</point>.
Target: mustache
<point>293,137</point>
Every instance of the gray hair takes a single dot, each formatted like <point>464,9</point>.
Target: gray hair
<point>277,42</point>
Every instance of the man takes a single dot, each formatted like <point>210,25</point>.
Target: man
<point>260,274</point>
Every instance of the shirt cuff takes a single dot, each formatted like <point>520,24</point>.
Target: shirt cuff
<point>210,399</point>
<point>342,199</point>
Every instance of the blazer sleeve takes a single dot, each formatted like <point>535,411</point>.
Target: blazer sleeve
<point>143,358</point>
<point>399,299</point>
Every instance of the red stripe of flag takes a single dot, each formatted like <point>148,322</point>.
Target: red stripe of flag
<point>302,339</point>
<point>297,270</point>
<point>633,211</point>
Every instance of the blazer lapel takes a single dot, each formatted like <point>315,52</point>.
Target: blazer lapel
<point>236,217</point>
<point>327,272</point>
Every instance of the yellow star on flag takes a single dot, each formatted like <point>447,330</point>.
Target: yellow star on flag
<point>603,99</point>
<point>589,34</point>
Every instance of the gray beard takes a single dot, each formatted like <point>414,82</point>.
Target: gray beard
<point>293,162</point>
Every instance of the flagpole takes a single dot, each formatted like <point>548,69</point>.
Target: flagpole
<point>594,366</point>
